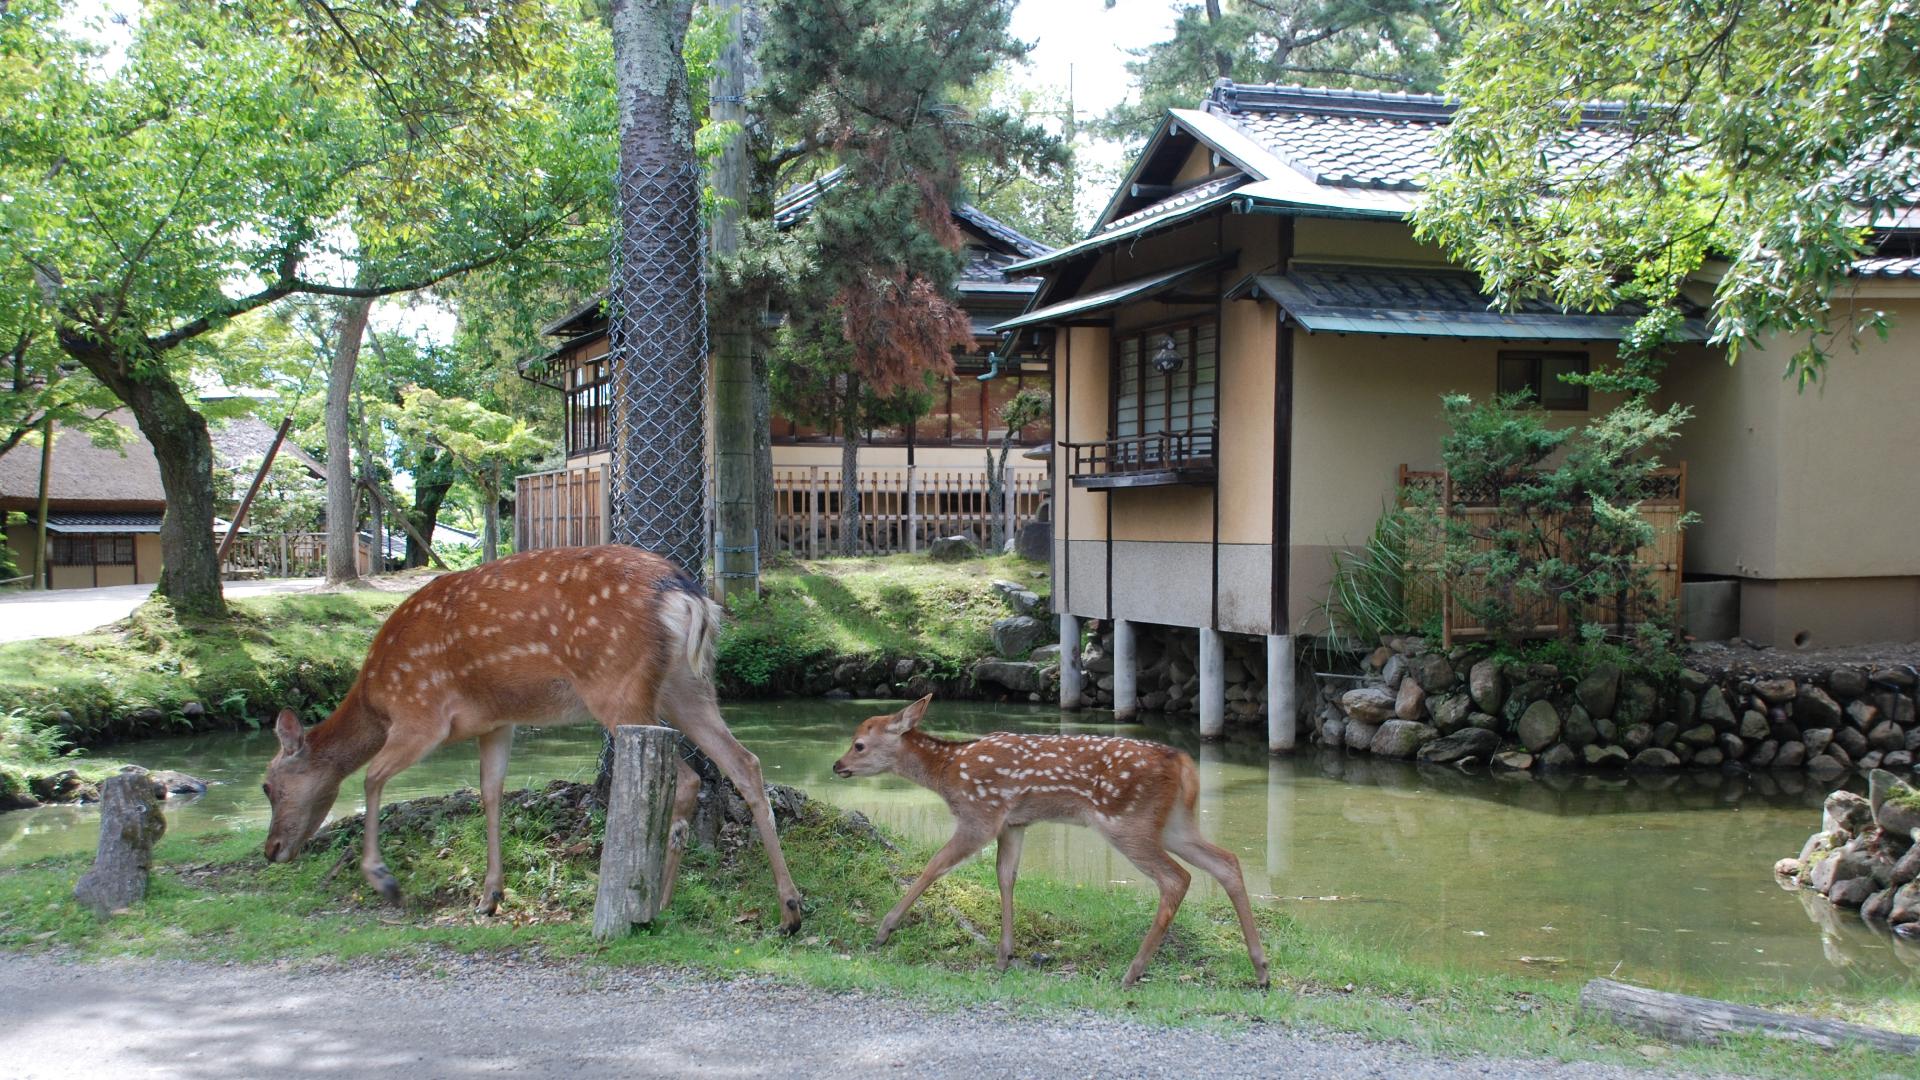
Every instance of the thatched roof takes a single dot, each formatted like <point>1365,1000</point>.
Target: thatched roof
<point>240,443</point>
<point>85,474</point>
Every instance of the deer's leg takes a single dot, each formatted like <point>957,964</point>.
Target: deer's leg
<point>1007,862</point>
<point>689,704</point>
<point>1184,840</point>
<point>965,841</point>
<point>1146,853</point>
<point>686,798</point>
<point>494,748</point>
<point>393,759</point>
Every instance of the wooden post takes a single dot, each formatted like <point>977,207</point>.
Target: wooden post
<point>913,509</point>
<point>813,511</point>
<point>130,824</point>
<point>412,529</point>
<point>1680,1018</point>
<point>633,856</point>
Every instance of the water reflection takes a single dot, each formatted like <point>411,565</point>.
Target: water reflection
<point>1661,879</point>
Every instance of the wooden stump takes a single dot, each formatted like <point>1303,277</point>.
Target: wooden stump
<point>130,824</point>
<point>646,770</point>
<point>1680,1018</point>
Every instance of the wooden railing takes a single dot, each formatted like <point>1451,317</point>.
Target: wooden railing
<point>280,555</point>
<point>901,508</point>
<point>1429,589</point>
<point>1162,457</point>
<point>561,508</point>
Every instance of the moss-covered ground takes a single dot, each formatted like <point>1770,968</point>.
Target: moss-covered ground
<point>213,899</point>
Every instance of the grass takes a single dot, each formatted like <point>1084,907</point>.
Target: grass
<point>213,900</point>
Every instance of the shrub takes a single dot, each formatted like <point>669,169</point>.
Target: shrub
<point>1367,598</point>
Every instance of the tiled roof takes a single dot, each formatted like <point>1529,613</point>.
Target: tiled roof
<point>1888,266</point>
<point>1180,200</point>
<point>103,523</point>
<point>1022,244</point>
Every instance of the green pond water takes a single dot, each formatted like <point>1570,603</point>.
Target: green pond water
<point>1661,880</point>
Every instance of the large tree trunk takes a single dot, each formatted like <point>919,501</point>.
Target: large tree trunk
<point>490,516</point>
<point>190,563</point>
<point>735,460</point>
<point>762,446</point>
<point>850,467</point>
<point>432,479</point>
<point>343,518</point>
<point>658,309</point>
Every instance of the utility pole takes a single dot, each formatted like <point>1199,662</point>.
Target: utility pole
<point>737,544</point>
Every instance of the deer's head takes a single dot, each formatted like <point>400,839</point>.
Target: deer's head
<point>299,788</point>
<point>876,744</point>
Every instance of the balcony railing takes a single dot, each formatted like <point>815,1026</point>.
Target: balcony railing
<point>1152,460</point>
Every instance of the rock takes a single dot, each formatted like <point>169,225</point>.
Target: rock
<point>1786,868</point>
<point>1764,754</point>
<point>1776,691</point>
<point>1099,662</point>
<point>1411,702</point>
<point>1877,907</point>
<point>1708,758</point>
<point>1599,690</point>
<point>1045,654</point>
<point>1639,703</point>
<point>1665,734</point>
<point>1460,745</point>
<point>1517,760</point>
<point>1016,675</point>
<point>1893,804</point>
<point>1154,700</point>
<point>1333,732</point>
<point>1394,671</point>
<point>1847,682</point>
<point>1871,761</point>
<point>1696,681</point>
<point>1603,757</point>
<point>1732,746</point>
<point>130,824</point>
<point>1401,738</point>
<point>1605,730</point>
<point>63,786</point>
<point>1487,685</point>
<point>1686,708</point>
<point>1853,741</point>
<point>1653,758</point>
<point>1853,892</point>
<point>1894,677</point>
<point>1558,756</point>
<point>1636,738</point>
<point>1897,761</point>
<point>1433,672</point>
<point>1862,715</point>
<point>1885,736</point>
<point>1839,754</point>
<point>1484,720</point>
<point>836,694</point>
<point>1377,659</point>
<point>953,549</point>
<point>1715,710</point>
<point>1034,541</point>
<point>1369,703</point>
<point>1791,756</point>
<point>1906,904</point>
<point>1817,740</point>
<point>1754,725</point>
<point>1813,708</point>
<point>1825,769</point>
<point>1018,636</point>
<point>1450,711</point>
<point>1578,730</point>
<point>1360,734</point>
<point>175,783</point>
<point>1023,600</point>
<point>1698,735</point>
<point>1906,868</point>
<point>1539,726</point>
<point>1819,844</point>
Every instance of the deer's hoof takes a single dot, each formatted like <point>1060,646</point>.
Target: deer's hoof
<point>490,903</point>
<point>880,938</point>
<point>382,879</point>
<point>790,917</point>
<point>1000,965</point>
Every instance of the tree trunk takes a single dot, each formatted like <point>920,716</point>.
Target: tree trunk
<point>762,445</point>
<point>432,479</point>
<point>342,516</point>
<point>658,325</point>
<point>997,493</point>
<point>42,575</point>
<point>130,824</point>
<point>850,467</point>
<point>490,534</point>
<point>734,451</point>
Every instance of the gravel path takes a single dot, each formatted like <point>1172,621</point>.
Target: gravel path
<point>128,1019</point>
<point>63,612</point>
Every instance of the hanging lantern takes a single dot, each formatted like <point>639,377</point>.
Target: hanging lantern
<point>1166,356</point>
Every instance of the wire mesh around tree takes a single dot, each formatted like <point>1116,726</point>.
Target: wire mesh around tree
<point>658,331</point>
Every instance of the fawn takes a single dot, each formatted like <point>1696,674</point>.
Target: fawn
<point>1138,794</point>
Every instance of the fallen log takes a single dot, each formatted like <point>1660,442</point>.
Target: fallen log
<point>130,824</point>
<point>1680,1018</point>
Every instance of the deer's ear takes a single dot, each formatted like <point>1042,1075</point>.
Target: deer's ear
<point>293,737</point>
<point>909,718</point>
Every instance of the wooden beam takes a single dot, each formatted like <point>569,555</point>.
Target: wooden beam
<point>1680,1018</point>
<point>240,515</point>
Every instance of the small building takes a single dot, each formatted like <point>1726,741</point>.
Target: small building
<point>1252,348</point>
<point>936,470</point>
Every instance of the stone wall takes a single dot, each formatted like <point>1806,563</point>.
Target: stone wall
<point>1410,700</point>
<point>1167,662</point>
<point>1864,858</point>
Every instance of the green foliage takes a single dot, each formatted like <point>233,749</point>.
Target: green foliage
<point>1771,141</point>
<point>1567,525</point>
<point>1367,598</point>
<point>1377,44</point>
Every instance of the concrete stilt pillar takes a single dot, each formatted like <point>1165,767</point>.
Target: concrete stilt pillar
<point>1279,822</point>
<point>1213,685</point>
<point>1070,676</point>
<point>1282,717</point>
<point>1126,683</point>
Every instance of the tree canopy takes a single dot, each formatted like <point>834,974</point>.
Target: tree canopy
<point>1758,149</point>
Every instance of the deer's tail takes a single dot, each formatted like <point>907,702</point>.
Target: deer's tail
<point>695,619</point>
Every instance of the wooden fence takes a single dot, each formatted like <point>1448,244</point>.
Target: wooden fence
<point>901,508</point>
<point>561,508</point>
<point>279,555</point>
<point>1430,589</point>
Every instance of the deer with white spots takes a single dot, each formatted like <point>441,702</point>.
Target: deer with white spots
<point>1139,795</point>
<point>560,636</point>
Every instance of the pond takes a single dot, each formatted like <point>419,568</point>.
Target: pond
<point>1664,881</point>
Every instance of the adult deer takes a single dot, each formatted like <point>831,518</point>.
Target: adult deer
<point>559,636</point>
<point>1139,795</point>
